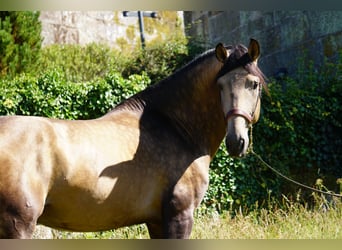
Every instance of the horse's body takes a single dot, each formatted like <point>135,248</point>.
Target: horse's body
<point>146,161</point>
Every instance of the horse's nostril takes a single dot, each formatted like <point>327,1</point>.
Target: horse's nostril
<point>237,147</point>
<point>242,144</point>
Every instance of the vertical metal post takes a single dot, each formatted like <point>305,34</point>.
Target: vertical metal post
<point>140,15</point>
<point>141,27</point>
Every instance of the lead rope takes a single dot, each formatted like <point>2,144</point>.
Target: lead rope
<point>250,150</point>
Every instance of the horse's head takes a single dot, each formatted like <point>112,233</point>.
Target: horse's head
<point>240,82</point>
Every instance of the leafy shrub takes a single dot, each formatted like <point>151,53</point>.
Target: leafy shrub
<point>77,63</point>
<point>301,123</point>
<point>237,183</point>
<point>160,59</point>
<point>49,95</point>
<point>20,41</point>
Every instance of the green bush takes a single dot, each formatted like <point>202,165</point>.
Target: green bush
<point>160,60</point>
<point>236,183</point>
<point>301,123</point>
<point>20,42</point>
<point>51,96</point>
<point>77,63</point>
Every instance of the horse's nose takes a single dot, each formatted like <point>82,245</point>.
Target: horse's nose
<point>238,147</point>
<point>241,144</point>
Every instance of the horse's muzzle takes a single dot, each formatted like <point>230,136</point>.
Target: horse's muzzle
<point>237,147</point>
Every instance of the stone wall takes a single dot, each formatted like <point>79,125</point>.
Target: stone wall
<point>284,36</point>
<point>109,27</point>
<point>75,27</point>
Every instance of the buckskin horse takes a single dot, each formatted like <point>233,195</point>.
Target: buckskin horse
<point>146,161</point>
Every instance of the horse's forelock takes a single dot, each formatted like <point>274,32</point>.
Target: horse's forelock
<point>238,51</point>
<point>239,57</point>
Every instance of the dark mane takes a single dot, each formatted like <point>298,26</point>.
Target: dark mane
<point>238,57</point>
<point>139,100</point>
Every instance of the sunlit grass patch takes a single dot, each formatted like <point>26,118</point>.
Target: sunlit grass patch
<point>292,221</point>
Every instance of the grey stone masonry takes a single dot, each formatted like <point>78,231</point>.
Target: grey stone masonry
<point>285,36</point>
<point>84,27</point>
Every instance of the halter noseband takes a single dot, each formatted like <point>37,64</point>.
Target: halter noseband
<point>239,112</point>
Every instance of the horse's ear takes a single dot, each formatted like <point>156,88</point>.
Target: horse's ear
<point>254,49</point>
<point>221,52</point>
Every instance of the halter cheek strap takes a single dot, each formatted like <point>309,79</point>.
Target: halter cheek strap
<point>239,112</point>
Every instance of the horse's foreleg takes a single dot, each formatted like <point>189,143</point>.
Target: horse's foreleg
<point>13,227</point>
<point>177,207</point>
<point>179,226</point>
<point>173,225</point>
<point>17,221</point>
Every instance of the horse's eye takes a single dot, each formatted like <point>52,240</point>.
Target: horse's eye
<point>255,84</point>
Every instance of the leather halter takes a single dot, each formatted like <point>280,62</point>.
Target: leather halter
<point>239,112</point>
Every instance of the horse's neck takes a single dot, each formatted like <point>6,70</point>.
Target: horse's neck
<point>189,100</point>
<point>192,103</point>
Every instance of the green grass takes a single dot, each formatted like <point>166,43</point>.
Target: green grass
<point>293,221</point>
<point>297,223</point>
